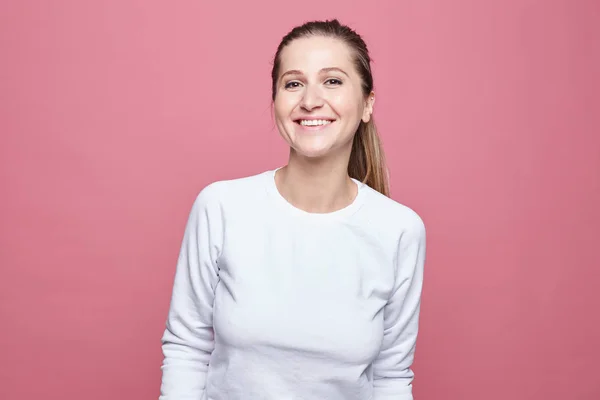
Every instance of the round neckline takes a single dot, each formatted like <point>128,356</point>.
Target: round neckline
<point>290,208</point>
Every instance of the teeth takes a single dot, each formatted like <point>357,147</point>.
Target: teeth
<point>314,122</point>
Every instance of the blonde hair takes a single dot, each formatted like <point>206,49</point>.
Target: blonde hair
<point>367,160</point>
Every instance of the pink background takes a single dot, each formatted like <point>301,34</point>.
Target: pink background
<point>114,114</point>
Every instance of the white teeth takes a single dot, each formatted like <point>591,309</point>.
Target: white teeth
<point>314,122</point>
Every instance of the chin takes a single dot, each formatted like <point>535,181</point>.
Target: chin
<point>312,153</point>
<point>320,150</point>
<point>318,146</point>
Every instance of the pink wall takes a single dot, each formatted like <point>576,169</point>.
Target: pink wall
<point>114,114</point>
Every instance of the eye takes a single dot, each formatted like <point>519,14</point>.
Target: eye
<point>292,85</point>
<point>333,81</point>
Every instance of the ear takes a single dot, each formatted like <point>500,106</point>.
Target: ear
<point>368,110</point>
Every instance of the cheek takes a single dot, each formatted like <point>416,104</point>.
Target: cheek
<point>277,108</point>
<point>347,105</point>
<point>284,105</point>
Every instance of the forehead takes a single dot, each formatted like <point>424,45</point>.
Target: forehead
<point>314,53</point>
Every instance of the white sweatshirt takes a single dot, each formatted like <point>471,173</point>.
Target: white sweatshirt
<point>272,302</point>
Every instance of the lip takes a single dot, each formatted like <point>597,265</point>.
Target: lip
<point>316,127</point>
<point>312,117</point>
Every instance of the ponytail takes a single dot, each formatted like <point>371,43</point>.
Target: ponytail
<point>367,161</point>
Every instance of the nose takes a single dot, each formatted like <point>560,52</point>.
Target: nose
<point>311,98</point>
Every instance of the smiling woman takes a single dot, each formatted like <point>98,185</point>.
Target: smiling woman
<point>304,281</point>
<point>316,89</point>
<point>342,63</point>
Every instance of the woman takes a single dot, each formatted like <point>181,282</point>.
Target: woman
<point>303,282</point>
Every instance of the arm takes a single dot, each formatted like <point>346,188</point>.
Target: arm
<point>187,342</point>
<point>392,374</point>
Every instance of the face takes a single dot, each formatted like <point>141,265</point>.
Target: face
<point>319,102</point>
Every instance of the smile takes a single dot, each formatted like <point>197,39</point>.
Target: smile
<point>314,124</point>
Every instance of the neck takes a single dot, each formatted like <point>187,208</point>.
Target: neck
<point>316,185</point>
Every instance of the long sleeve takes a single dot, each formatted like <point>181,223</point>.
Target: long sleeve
<point>392,373</point>
<point>188,339</point>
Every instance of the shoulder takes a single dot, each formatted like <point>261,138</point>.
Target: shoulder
<point>393,217</point>
<point>230,191</point>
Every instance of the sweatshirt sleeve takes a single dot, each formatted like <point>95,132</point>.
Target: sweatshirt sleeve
<point>188,339</point>
<point>392,373</point>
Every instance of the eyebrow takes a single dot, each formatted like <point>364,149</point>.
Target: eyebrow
<point>298,72</point>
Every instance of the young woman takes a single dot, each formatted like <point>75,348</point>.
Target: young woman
<point>302,282</point>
